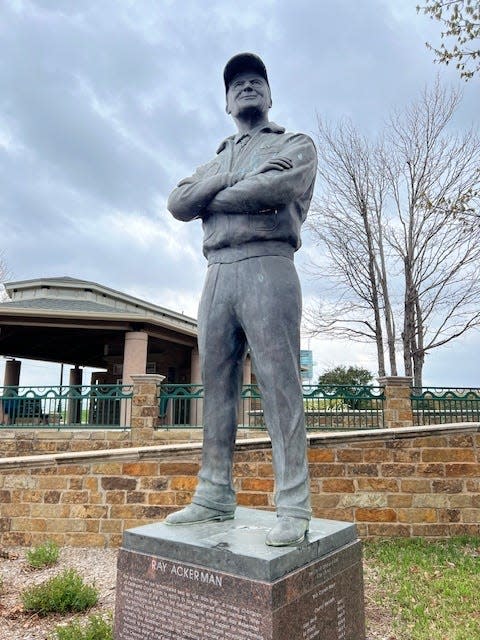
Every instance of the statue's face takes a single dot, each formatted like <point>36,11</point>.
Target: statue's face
<point>248,91</point>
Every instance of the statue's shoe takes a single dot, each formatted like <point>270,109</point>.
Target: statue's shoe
<point>287,531</point>
<point>195,513</point>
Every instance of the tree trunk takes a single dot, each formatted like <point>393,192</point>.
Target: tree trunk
<point>418,362</point>
<point>408,322</point>
<point>419,352</point>
<point>388,313</point>
<point>375,296</point>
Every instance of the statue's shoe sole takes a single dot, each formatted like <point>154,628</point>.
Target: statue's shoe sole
<point>217,518</point>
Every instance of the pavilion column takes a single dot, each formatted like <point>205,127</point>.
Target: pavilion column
<point>134,362</point>
<point>196,405</point>
<point>247,370</point>
<point>245,403</point>
<point>12,373</point>
<point>11,379</point>
<point>134,355</point>
<point>74,413</point>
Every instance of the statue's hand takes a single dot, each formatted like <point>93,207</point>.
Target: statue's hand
<point>274,164</point>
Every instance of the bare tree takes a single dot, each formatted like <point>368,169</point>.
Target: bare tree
<point>3,276</point>
<point>434,178</point>
<point>461,21</point>
<point>393,224</point>
<point>347,223</point>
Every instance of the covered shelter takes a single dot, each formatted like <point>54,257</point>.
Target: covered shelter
<point>85,324</point>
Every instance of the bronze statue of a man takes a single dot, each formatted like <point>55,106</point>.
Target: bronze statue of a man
<point>252,199</point>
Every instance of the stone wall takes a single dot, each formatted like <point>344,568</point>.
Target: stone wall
<point>21,442</point>
<point>401,482</point>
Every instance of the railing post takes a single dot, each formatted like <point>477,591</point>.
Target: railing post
<point>145,405</point>
<point>397,407</point>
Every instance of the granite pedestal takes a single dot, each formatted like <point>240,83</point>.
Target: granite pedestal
<point>219,581</point>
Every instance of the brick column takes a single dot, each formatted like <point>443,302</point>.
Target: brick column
<point>145,402</point>
<point>397,406</point>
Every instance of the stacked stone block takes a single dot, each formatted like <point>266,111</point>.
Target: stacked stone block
<point>397,406</point>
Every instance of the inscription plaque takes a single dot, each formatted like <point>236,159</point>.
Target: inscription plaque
<point>160,598</point>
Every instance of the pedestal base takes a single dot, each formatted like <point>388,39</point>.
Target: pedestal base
<point>219,581</point>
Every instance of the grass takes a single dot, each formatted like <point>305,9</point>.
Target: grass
<point>45,555</point>
<point>61,594</point>
<point>97,628</point>
<point>432,588</point>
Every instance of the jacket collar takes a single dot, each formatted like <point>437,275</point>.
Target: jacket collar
<point>271,127</point>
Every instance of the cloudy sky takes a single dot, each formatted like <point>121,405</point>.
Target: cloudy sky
<point>105,105</point>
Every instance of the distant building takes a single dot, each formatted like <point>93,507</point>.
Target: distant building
<point>306,364</point>
<point>86,324</point>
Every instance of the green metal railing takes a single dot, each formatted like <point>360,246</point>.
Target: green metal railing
<point>343,406</point>
<point>326,407</point>
<point>440,405</point>
<point>94,406</point>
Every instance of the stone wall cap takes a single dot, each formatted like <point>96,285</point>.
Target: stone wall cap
<point>147,377</point>
<point>394,433</point>
<point>396,381</point>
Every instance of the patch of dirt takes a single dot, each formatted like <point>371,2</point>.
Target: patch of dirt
<point>98,566</point>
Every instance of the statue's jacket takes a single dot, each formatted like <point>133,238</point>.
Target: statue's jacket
<point>245,214</point>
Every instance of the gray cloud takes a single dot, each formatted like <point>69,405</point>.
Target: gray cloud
<point>104,106</point>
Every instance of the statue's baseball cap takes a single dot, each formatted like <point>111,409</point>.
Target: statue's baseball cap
<point>243,62</point>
